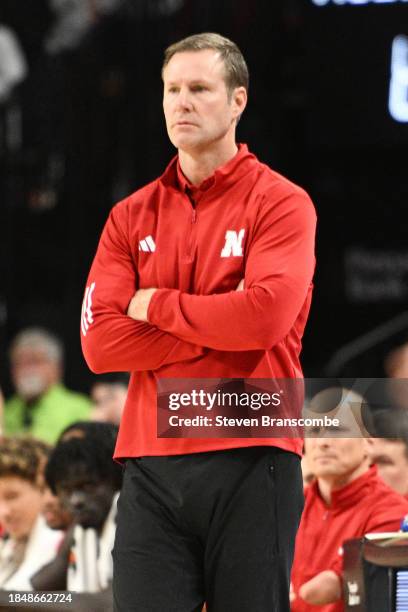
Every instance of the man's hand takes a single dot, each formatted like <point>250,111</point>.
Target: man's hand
<point>139,304</point>
<point>322,589</point>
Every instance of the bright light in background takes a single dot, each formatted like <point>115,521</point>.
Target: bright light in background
<point>398,98</point>
<point>355,2</point>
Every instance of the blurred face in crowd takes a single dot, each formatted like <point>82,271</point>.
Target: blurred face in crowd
<point>199,110</point>
<point>20,505</point>
<point>87,499</point>
<point>33,372</point>
<point>391,458</point>
<point>108,402</point>
<point>337,460</point>
<point>56,516</point>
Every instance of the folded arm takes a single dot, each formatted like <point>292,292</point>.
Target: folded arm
<point>324,588</point>
<point>111,340</point>
<point>278,275</point>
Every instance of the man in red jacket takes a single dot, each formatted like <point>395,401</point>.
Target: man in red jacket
<point>347,500</point>
<point>203,518</point>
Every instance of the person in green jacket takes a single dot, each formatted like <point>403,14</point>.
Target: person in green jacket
<point>42,406</point>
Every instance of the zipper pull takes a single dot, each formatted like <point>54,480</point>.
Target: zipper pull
<point>194,216</point>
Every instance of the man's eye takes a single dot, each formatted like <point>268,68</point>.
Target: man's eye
<point>382,461</point>
<point>88,487</point>
<point>313,431</point>
<point>11,496</point>
<point>199,88</point>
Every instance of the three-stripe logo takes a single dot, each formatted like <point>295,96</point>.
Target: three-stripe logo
<point>147,245</point>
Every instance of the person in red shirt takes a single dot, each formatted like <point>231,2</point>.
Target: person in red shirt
<point>389,449</point>
<point>347,500</point>
<point>204,273</point>
<point>391,458</point>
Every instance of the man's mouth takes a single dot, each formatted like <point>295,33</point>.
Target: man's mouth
<point>184,123</point>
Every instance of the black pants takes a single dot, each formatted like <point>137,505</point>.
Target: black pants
<point>216,527</point>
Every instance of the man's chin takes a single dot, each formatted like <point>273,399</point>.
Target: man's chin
<point>88,525</point>
<point>87,521</point>
<point>186,142</point>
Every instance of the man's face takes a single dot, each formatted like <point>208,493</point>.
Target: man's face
<point>32,372</point>
<point>391,459</point>
<point>335,457</point>
<point>198,109</point>
<point>20,505</point>
<point>87,500</point>
<point>108,402</point>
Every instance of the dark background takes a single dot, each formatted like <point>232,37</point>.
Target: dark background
<point>92,132</point>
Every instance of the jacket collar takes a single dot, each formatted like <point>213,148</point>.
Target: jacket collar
<point>351,493</point>
<point>236,168</point>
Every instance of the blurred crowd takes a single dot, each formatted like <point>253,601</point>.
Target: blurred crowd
<point>59,485</point>
<point>58,482</point>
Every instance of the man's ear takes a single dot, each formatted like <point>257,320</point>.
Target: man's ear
<point>239,100</point>
<point>368,445</point>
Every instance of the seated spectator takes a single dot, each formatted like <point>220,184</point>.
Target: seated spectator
<point>42,405</point>
<point>95,430</point>
<point>108,394</point>
<point>396,368</point>
<point>391,458</point>
<point>87,481</point>
<point>390,451</point>
<point>28,543</point>
<point>13,66</point>
<point>1,414</point>
<point>347,500</point>
<point>396,362</point>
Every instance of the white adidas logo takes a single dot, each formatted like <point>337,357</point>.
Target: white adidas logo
<point>147,245</point>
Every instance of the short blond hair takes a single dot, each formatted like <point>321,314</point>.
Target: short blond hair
<point>24,457</point>
<point>236,70</point>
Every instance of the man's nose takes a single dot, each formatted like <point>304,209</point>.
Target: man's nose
<point>322,442</point>
<point>184,99</point>
<point>4,511</point>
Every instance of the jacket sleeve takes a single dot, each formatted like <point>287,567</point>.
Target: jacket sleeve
<point>112,341</point>
<point>385,517</point>
<point>278,275</point>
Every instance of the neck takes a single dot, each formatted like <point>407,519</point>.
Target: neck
<point>328,484</point>
<point>198,165</point>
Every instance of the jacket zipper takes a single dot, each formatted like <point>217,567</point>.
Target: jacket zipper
<point>190,242</point>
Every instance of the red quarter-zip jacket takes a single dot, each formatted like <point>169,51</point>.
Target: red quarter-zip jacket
<point>195,244</point>
<point>365,505</point>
